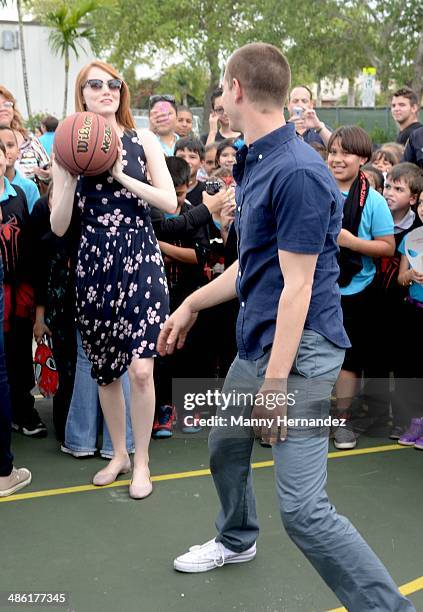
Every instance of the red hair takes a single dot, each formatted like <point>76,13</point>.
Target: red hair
<point>123,113</point>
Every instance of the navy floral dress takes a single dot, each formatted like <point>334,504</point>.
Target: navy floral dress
<point>122,297</point>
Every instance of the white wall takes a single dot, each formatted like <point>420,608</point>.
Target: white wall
<point>45,70</point>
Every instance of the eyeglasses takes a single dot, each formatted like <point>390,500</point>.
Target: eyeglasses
<point>219,110</point>
<point>6,104</point>
<point>112,84</point>
<point>159,98</point>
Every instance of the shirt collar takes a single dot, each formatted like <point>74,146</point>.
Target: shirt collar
<point>267,143</point>
<point>405,223</point>
<point>262,147</point>
<point>17,179</point>
<point>8,191</point>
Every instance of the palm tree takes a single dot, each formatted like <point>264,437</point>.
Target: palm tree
<point>69,29</point>
<point>23,56</point>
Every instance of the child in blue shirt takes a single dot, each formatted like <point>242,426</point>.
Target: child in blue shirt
<point>8,137</point>
<point>367,232</point>
<point>409,387</point>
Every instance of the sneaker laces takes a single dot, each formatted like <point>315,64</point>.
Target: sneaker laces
<point>165,415</point>
<point>206,550</point>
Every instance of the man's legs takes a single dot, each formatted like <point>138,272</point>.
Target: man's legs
<point>329,541</point>
<point>230,454</point>
<point>230,447</point>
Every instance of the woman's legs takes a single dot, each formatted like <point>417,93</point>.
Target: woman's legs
<point>113,406</point>
<point>142,415</point>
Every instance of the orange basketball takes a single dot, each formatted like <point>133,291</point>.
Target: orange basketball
<point>85,144</point>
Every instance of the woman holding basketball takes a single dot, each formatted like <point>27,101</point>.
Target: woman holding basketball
<point>121,290</point>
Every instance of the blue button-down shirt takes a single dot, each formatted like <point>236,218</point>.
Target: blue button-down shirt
<point>288,200</point>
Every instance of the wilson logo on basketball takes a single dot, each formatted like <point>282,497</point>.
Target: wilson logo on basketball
<point>84,135</point>
<point>85,144</point>
<point>107,140</point>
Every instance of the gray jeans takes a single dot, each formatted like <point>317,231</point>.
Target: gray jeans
<point>329,541</point>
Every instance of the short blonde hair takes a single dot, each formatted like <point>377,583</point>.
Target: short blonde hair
<point>123,114</point>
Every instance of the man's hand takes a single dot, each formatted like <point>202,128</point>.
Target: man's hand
<point>271,404</point>
<point>299,123</point>
<point>176,329</point>
<point>311,120</point>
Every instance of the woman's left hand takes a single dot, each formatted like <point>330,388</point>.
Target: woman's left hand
<point>117,169</point>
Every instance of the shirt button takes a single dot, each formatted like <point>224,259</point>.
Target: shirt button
<point>260,156</point>
<point>239,274</point>
<point>243,304</point>
<point>239,208</point>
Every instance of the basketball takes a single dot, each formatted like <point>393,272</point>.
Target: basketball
<point>85,144</point>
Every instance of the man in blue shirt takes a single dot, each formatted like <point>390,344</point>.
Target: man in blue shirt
<point>303,115</point>
<point>291,343</point>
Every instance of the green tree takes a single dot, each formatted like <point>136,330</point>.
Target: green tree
<point>202,32</point>
<point>322,39</point>
<point>185,82</point>
<point>70,28</point>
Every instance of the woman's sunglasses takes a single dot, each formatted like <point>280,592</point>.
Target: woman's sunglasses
<point>112,84</point>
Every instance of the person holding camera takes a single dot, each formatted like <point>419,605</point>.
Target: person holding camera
<point>163,121</point>
<point>302,113</point>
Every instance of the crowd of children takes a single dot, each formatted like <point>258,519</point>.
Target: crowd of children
<point>381,279</point>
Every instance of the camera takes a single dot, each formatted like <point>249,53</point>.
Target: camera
<point>213,186</point>
<point>298,111</point>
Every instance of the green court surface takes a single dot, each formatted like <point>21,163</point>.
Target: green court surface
<point>111,553</point>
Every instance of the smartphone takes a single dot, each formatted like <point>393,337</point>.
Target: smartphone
<point>213,186</point>
<point>297,111</point>
<point>163,107</point>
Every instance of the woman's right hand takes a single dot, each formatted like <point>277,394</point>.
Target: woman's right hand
<point>61,176</point>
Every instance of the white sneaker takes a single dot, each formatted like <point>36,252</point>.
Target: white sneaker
<point>210,555</point>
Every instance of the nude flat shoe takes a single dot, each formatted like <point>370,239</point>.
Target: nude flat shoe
<point>137,491</point>
<point>107,476</point>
